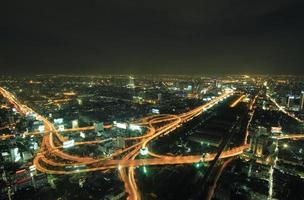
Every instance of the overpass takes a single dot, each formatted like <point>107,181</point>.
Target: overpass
<point>52,159</point>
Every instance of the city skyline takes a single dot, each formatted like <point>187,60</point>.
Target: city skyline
<point>146,137</point>
<point>152,99</point>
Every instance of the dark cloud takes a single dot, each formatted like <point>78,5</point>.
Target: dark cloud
<point>210,36</point>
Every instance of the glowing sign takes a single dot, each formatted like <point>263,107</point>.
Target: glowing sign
<point>121,125</point>
<point>68,143</point>
<point>134,127</point>
<point>276,129</point>
<point>82,134</point>
<point>155,111</point>
<point>58,121</point>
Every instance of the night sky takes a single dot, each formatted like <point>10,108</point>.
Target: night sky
<point>155,36</point>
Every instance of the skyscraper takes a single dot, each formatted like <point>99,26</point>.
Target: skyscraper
<point>302,101</point>
<point>131,82</point>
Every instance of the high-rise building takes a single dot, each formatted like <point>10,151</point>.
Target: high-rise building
<point>302,101</point>
<point>131,82</point>
<point>258,141</point>
<point>261,144</point>
<point>15,154</point>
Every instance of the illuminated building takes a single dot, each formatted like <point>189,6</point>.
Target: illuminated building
<point>291,103</point>
<point>258,141</point>
<point>302,101</point>
<point>15,154</point>
<point>131,82</point>
<point>75,124</point>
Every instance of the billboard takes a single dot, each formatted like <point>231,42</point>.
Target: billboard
<point>276,129</point>
<point>58,121</point>
<point>155,111</point>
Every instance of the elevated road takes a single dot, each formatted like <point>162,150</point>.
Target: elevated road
<point>52,158</point>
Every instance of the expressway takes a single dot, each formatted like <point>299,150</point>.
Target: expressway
<point>54,160</point>
<point>237,101</point>
<point>281,108</point>
<point>289,136</point>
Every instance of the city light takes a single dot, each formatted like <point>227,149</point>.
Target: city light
<point>58,121</point>
<point>144,151</point>
<point>134,127</point>
<point>68,144</point>
<point>155,111</point>
<point>145,169</point>
<point>121,125</point>
<point>61,128</point>
<point>82,134</point>
<point>41,128</point>
<point>183,135</point>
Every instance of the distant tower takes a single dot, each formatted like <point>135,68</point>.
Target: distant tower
<point>302,101</point>
<point>131,82</point>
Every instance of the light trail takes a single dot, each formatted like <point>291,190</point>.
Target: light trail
<point>271,170</point>
<point>237,101</point>
<point>289,136</point>
<point>281,108</point>
<point>156,126</point>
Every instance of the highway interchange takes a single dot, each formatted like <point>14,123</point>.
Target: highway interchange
<point>52,159</point>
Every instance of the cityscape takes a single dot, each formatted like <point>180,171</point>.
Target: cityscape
<point>152,100</point>
<point>152,137</point>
